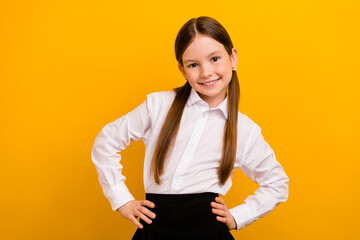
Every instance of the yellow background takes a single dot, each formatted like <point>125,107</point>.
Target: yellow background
<point>67,68</point>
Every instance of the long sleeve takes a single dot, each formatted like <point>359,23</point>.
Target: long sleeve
<point>260,165</point>
<point>112,139</point>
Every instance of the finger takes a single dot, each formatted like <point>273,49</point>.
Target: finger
<point>219,200</point>
<point>217,206</point>
<point>147,212</point>
<point>147,203</point>
<point>221,219</point>
<point>219,212</point>
<point>136,222</point>
<point>144,217</point>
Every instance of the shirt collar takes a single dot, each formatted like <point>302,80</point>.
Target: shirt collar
<point>195,98</point>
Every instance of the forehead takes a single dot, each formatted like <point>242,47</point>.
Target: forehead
<point>202,46</point>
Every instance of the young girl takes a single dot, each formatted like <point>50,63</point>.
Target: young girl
<point>195,139</point>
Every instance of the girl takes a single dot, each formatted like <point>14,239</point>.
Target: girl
<point>195,138</point>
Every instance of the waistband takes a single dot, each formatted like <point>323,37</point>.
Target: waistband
<point>183,214</point>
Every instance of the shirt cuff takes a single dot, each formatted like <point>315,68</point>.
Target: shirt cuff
<point>118,195</point>
<point>243,216</point>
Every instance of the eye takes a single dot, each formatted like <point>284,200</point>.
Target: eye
<point>214,59</point>
<point>192,65</point>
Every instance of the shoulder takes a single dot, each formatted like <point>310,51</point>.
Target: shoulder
<point>160,100</point>
<point>247,125</point>
<point>162,96</point>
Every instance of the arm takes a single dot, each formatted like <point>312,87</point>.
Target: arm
<point>112,139</point>
<point>260,165</point>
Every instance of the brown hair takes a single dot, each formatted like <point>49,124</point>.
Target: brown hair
<point>212,28</point>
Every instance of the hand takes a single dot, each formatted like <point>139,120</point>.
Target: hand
<point>135,208</point>
<point>224,215</point>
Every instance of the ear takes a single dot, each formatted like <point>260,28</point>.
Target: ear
<point>234,58</point>
<point>182,70</point>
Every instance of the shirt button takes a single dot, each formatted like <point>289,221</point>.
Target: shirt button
<point>176,182</point>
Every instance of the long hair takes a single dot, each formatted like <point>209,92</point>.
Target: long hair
<point>211,28</point>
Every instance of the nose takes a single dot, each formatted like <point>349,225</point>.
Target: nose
<point>206,71</point>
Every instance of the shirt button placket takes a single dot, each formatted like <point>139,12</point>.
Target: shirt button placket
<point>188,153</point>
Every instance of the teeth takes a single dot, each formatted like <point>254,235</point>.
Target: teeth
<point>209,83</point>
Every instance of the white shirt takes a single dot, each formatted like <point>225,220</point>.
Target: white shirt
<point>192,165</point>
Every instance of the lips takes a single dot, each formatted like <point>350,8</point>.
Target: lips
<point>210,83</point>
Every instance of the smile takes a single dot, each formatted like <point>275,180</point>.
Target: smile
<point>210,83</point>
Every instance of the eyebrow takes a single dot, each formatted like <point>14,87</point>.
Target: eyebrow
<point>190,60</point>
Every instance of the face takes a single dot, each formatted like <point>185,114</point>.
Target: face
<point>208,68</point>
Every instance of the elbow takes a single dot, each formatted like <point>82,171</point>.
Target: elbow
<point>285,189</point>
<point>281,189</point>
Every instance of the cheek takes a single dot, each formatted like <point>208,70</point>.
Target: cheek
<point>192,76</point>
<point>225,70</point>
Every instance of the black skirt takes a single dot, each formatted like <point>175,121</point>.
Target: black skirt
<point>183,216</point>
